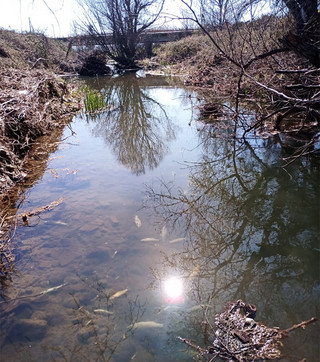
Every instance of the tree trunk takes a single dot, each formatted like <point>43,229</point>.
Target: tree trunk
<point>306,40</point>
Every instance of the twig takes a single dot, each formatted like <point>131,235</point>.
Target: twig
<point>299,325</point>
<point>39,210</point>
<point>202,351</point>
<point>289,71</point>
<point>280,94</point>
<point>36,62</point>
<point>312,86</point>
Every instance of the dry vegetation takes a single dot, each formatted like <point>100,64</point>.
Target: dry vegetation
<point>248,64</point>
<point>33,99</point>
<point>31,50</point>
<point>238,337</point>
<point>34,102</point>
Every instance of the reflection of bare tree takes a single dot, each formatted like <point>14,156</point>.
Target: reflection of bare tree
<point>101,327</point>
<point>253,231</point>
<point>137,126</point>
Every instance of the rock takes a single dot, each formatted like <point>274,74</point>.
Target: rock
<point>99,255</point>
<point>85,333</point>
<point>38,315</point>
<point>28,330</point>
<point>23,310</point>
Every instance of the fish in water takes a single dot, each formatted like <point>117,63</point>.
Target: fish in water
<point>146,324</point>
<point>177,240</point>
<point>118,294</point>
<point>137,221</point>
<point>149,239</point>
<point>53,289</point>
<point>164,232</point>
<point>60,222</point>
<point>102,311</point>
<point>198,307</point>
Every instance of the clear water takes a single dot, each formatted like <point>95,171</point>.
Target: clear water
<point>150,194</point>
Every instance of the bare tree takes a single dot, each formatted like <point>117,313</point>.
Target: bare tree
<point>117,25</point>
<point>215,12</point>
<point>302,11</point>
<point>289,81</point>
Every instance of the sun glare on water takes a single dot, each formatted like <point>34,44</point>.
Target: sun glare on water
<point>173,290</point>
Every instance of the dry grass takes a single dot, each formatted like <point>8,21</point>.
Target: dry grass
<point>33,100</point>
<point>35,50</point>
<point>32,103</point>
<point>246,63</point>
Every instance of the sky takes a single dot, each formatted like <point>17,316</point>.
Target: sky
<point>20,14</point>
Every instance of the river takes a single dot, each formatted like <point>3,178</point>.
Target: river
<point>164,220</point>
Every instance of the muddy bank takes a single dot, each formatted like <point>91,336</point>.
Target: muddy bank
<point>35,106</point>
<point>32,104</point>
<point>33,99</point>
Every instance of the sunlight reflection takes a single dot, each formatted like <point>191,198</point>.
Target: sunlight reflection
<point>173,290</point>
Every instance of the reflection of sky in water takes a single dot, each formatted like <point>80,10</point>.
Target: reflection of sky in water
<point>93,245</point>
<point>108,253</point>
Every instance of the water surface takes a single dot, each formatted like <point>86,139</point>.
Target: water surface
<point>151,194</point>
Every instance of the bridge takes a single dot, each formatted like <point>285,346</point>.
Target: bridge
<point>147,38</point>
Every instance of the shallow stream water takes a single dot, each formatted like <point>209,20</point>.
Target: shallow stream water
<point>163,222</point>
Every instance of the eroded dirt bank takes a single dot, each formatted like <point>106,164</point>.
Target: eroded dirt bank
<point>34,98</point>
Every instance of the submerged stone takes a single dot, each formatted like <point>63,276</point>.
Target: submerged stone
<point>28,330</point>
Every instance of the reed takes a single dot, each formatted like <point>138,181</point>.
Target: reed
<point>94,101</point>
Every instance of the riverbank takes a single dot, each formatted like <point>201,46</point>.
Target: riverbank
<point>35,99</point>
<point>280,90</point>
<point>245,68</point>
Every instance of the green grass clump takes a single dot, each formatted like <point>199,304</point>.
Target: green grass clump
<point>94,101</point>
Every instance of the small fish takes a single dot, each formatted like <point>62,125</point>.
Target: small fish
<point>118,294</point>
<point>198,307</point>
<point>102,311</point>
<point>164,232</point>
<point>149,239</point>
<point>60,222</point>
<point>53,289</point>
<point>137,221</point>
<point>169,308</point>
<point>146,324</point>
<point>177,240</point>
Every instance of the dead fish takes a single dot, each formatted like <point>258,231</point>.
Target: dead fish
<point>177,240</point>
<point>102,311</point>
<point>169,308</point>
<point>164,232</point>
<point>60,222</point>
<point>149,239</point>
<point>118,294</point>
<point>53,289</point>
<point>198,307</point>
<point>137,221</point>
<point>146,324</point>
